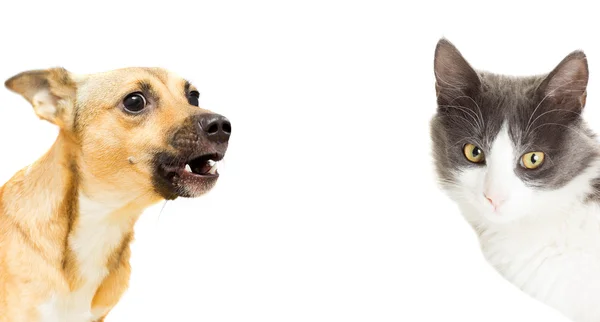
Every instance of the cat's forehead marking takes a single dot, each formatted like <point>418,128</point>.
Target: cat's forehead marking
<point>507,102</point>
<point>502,149</point>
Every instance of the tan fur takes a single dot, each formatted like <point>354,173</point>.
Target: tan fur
<point>97,174</point>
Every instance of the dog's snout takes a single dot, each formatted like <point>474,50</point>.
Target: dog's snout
<point>217,128</point>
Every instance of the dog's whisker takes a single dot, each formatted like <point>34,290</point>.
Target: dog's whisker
<point>161,210</point>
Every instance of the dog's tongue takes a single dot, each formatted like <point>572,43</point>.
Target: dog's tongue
<point>208,167</point>
<point>204,168</point>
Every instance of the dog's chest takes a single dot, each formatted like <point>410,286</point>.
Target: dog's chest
<point>93,240</point>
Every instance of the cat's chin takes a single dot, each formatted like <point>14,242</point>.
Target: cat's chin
<point>485,214</point>
<point>499,217</point>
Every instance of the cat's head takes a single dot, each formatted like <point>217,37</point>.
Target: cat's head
<point>510,147</point>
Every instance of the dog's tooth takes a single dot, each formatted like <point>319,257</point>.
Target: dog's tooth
<point>213,169</point>
<point>211,163</point>
<point>188,168</point>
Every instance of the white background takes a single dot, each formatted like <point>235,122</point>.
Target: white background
<point>327,209</point>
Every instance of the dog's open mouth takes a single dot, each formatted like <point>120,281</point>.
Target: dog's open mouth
<point>187,177</point>
<point>204,166</point>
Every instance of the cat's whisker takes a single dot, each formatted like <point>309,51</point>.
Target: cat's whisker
<point>549,159</point>
<point>565,126</point>
<point>448,182</point>
<point>545,97</point>
<point>468,140</point>
<point>554,110</point>
<point>477,105</point>
<point>472,114</point>
<point>450,185</point>
<point>464,108</point>
<point>460,117</point>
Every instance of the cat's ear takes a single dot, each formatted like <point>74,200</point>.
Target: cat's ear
<point>453,74</point>
<point>566,84</point>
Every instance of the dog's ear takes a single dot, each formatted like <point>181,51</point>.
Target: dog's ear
<point>51,92</point>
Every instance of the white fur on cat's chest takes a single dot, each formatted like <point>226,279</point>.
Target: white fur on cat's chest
<point>93,241</point>
<point>557,261</point>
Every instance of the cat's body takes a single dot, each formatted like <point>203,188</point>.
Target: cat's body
<point>516,156</point>
<point>556,261</point>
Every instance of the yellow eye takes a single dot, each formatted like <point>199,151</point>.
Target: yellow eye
<point>532,160</point>
<point>473,153</point>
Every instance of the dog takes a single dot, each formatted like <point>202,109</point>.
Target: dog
<point>127,139</point>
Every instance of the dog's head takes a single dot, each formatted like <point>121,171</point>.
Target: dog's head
<point>138,130</point>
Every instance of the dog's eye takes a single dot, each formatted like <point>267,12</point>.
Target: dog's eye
<point>193,98</point>
<point>134,102</point>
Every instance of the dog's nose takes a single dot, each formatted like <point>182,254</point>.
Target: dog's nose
<point>216,127</point>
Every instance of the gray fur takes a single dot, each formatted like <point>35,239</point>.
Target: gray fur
<point>543,113</point>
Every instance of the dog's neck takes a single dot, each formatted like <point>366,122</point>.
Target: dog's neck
<point>64,177</point>
<point>70,220</point>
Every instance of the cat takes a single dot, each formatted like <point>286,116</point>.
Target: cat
<point>517,157</point>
